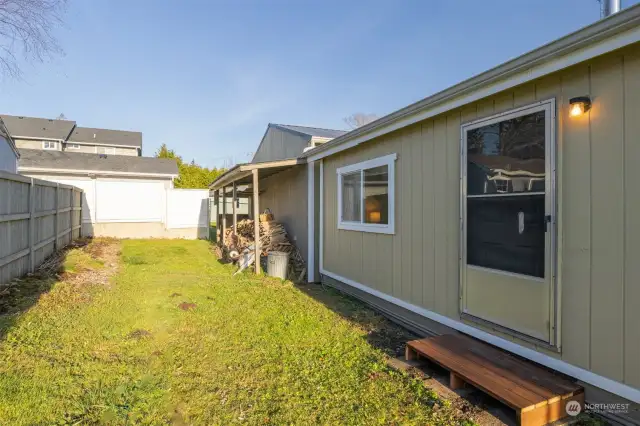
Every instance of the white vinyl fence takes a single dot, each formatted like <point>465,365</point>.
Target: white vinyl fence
<point>139,208</point>
<point>37,217</point>
<point>187,208</point>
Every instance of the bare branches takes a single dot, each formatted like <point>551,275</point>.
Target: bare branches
<point>359,119</point>
<point>27,30</point>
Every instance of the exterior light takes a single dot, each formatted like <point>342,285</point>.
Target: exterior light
<point>579,105</point>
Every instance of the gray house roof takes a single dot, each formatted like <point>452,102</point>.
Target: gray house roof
<point>311,131</point>
<point>107,137</point>
<point>35,159</point>
<point>33,127</point>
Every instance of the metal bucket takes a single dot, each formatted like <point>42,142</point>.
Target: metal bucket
<point>277,264</point>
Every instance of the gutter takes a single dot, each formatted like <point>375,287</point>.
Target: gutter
<point>530,66</point>
<point>242,170</point>
<point>94,172</point>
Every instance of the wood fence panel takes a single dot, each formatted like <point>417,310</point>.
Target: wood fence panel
<point>37,217</point>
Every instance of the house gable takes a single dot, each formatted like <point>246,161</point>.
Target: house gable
<point>279,144</point>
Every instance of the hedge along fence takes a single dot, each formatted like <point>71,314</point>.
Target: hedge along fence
<point>37,218</point>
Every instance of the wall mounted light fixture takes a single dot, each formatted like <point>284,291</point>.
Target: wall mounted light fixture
<point>579,105</point>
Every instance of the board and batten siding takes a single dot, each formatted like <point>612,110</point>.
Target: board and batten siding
<point>285,194</point>
<point>278,144</point>
<point>598,162</point>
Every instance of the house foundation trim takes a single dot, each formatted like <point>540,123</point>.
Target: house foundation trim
<point>586,376</point>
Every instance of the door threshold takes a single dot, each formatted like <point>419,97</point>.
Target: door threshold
<point>511,332</point>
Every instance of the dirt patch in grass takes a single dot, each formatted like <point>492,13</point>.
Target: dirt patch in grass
<point>139,334</point>
<point>74,272</point>
<point>77,265</point>
<point>187,306</point>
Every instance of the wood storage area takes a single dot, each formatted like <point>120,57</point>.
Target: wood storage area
<point>237,247</point>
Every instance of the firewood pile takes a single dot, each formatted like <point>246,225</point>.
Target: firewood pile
<point>273,237</point>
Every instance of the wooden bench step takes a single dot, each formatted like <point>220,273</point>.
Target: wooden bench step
<point>538,396</point>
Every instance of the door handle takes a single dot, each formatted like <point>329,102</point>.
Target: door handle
<point>520,222</point>
<point>547,221</point>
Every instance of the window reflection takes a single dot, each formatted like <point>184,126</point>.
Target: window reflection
<point>507,157</point>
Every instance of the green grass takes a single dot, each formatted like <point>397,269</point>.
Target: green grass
<point>252,350</point>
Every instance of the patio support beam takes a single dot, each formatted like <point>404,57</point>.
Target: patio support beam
<point>224,212</point>
<point>234,202</point>
<point>256,220</point>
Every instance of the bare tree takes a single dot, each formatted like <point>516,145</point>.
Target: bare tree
<point>26,30</point>
<point>359,119</point>
<point>61,116</point>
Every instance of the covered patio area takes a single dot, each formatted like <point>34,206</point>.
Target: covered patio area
<point>244,181</point>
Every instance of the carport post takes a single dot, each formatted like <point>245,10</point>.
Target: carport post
<point>234,201</point>
<point>224,212</point>
<point>256,220</point>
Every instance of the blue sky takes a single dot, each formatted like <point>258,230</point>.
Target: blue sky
<point>206,77</point>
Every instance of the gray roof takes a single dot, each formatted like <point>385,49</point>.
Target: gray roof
<point>38,127</point>
<point>312,131</point>
<point>64,160</point>
<point>107,137</point>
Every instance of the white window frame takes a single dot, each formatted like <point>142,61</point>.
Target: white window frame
<point>73,146</point>
<point>108,150</point>
<point>389,228</point>
<point>46,145</point>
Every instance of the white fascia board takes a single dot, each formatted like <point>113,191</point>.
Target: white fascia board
<point>31,138</point>
<point>482,90</point>
<point>586,376</point>
<point>110,145</point>
<point>94,172</point>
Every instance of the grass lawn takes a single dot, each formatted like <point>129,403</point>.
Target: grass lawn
<point>171,338</point>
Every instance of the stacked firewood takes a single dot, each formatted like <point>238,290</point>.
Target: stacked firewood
<point>273,237</point>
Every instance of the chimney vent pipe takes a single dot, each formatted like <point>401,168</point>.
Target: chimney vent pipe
<point>609,7</point>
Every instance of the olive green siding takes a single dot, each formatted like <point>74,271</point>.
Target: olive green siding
<point>598,162</point>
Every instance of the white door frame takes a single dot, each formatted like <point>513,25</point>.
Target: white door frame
<point>551,257</point>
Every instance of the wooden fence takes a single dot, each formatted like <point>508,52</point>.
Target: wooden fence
<point>37,218</point>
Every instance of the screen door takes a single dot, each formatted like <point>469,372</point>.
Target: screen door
<point>508,218</point>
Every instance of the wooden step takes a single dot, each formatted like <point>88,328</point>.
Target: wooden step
<point>538,396</point>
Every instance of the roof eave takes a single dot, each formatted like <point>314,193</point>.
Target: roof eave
<point>614,32</point>
<point>240,171</point>
<point>94,172</point>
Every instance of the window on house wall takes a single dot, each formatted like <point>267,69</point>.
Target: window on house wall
<point>49,145</point>
<point>366,195</point>
<point>506,182</point>
<point>73,146</point>
<point>106,150</point>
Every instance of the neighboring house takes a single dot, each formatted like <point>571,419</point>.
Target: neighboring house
<point>38,133</point>
<point>124,196</point>
<point>8,152</point>
<point>504,207</point>
<point>64,135</point>
<point>282,181</point>
<point>103,141</point>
